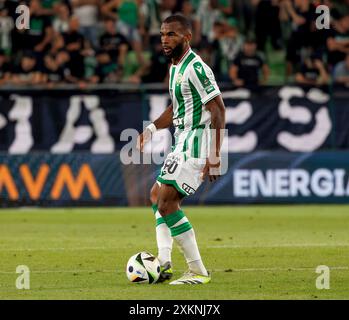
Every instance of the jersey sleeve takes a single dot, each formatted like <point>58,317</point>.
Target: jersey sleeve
<point>202,79</point>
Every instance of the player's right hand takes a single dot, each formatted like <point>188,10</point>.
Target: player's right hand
<point>143,138</point>
<point>212,169</point>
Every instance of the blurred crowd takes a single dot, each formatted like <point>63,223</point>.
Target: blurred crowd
<point>113,41</point>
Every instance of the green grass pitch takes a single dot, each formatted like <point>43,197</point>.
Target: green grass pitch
<point>254,252</point>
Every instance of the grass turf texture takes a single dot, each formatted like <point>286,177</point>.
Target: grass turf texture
<point>254,252</point>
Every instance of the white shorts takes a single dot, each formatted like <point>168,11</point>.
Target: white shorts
<point>182,172</point>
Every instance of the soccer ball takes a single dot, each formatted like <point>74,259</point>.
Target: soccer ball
<point>143,267</point>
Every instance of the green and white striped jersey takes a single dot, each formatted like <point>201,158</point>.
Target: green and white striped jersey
<point>192,85</point>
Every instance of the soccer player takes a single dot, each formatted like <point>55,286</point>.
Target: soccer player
<point>198,114</point>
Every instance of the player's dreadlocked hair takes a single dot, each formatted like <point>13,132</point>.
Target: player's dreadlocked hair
<point>182,20</point>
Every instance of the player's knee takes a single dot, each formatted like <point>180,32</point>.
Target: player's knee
<point>166,207</point>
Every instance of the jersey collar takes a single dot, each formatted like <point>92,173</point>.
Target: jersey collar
<point>185,54</point>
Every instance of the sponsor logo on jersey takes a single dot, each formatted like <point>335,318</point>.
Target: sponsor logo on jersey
<point>209,89</point>
<point>206,82</point>
<point>188,189</point>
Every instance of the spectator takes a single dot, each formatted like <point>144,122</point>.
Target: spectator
<point>205,51</point>
<point>109,9</point>
<point>207,15</point>
<point>341,72</point>
<point>61,20</point>
<point>302,15</point>
<point>225,6</point>
<point>87,13</point>
<point>136,23</point>
<point>318,37</point>
<point>247,68</point>
<point>62,59</point>
<point>3,9</point>
<point>74,44</point>
<point>267,24</point>
<point>114,42</point>
<point>57,43</point>
<point>49,7</point>
<point>39,35</point>
<point>244,11</point>
<point>312,72</point>
<point>29,71</point>
<point>18,37</point>
<point>324,40</point>
<point>170,5</point>
<point>5,69</point>
<point>10,6</point>
<point>342,6</point>
<point>6,26</point>
<point>338,41</point>
<point>55,70</point>
<point>51,72</point>
<point>154,12</point>
<point>334,10</point>
<point>156,70</point>
<point>228,43</point>
<point>130,22</point>
<point>188,11</point>
<point>106,71</point>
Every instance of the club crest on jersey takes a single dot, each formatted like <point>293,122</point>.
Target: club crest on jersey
<point>179,79</point>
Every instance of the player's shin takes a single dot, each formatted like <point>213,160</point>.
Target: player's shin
<point>183,233</point>
<point>163,238</point>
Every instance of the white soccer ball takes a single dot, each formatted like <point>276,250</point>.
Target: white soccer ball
<point>143,267</point>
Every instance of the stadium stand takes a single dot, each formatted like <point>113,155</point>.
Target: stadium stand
<point>128,31</point>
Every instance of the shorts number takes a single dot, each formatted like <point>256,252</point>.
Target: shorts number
<point>170,166</point>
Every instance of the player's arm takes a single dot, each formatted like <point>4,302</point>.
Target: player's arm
<point>203,79</point>
<point>335,45</point>
<point>296,18</point>
<point>163,122</point>
<point>323,75</point>
<point>47,39</point>
<point>217,109</point>
<point>108,7</point>
<point>265,74</point>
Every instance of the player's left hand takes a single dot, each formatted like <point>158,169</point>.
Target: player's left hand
<point>143,138</point>
<point>212,168</point>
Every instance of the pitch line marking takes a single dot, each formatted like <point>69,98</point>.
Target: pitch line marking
<point>237,246</point>
<point>214,270</point>
<point>281,245</point>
